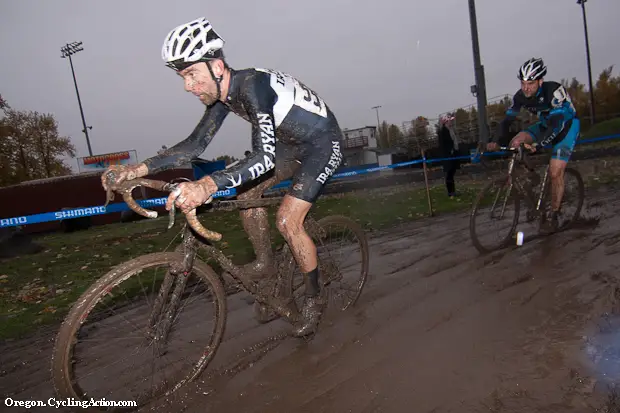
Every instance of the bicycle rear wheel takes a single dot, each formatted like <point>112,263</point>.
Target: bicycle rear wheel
<point>342,248</point>
<point>492,205</point>
<point>107,333</point>
<point>572,200</point>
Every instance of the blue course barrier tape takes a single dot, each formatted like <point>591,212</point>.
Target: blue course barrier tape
<point>91,211</point>
<point>121,206</point>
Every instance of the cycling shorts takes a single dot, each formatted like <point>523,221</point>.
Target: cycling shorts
<point>565,141</point>
<point>309,165</point>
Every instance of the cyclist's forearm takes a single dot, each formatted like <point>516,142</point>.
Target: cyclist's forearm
<point>251,168</point>
<point>141,170</point>
<point>555,124</point>
<point>504,128</point>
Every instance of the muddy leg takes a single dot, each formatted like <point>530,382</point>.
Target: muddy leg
<point>556,171</point>
<point>255,220</point>
<point>290,223</point>
<point>557,183</point>
<point>256,225</point>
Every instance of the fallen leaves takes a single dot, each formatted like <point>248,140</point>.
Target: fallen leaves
<point>33,292</point>
<point>48,309</point>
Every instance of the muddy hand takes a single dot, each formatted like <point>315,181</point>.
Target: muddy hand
<point>117,174</point>
<point>188,196</point>
<point>107,181</point>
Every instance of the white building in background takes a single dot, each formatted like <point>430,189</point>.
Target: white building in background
<point>360,146</point>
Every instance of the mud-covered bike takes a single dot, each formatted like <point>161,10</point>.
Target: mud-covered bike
<point>146,310</point>
<point>521,182</point>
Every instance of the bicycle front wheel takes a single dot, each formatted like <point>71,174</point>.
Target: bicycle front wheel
<point>495,216</point>
<point>115,349</point>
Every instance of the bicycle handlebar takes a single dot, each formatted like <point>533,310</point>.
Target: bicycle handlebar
<point>518,149</point>
<point>125,189</point>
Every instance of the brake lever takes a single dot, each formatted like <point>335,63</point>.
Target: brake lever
<point>171,214</point>
<point>109,194</point>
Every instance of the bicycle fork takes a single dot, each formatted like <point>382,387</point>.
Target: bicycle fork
<point>511,184</point>
<point>162,316</point>
<point>535,205</point>
<point>541,195</point>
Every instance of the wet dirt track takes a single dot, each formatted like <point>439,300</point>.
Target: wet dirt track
<point>439,328</point>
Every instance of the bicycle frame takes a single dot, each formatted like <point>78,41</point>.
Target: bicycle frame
<point>276,299</point>
<point>519,157</point>
<point>188,249</point>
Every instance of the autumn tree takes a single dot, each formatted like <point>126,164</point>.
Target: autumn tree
<point>607,95</point>
<point>395,135</point>
<point>31,147</point>
<point>421,132</point>
<point>383,140</point>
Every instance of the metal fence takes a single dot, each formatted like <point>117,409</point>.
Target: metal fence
<point>421,133</point>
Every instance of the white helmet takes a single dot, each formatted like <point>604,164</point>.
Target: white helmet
<point>533,69</point>
<point>191,43</point>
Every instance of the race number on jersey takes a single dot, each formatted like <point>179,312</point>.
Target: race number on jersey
<point>561,97</point>
<point>291,92</point>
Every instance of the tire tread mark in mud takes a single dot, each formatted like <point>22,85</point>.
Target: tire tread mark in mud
<point>408,264</point>
<point>440,268</point>
<point>387,248</point>
<point>531,296</point>
<point>608,240</point>
<point>250,355</point>
<point>520,280</point>
<point>494,258</point>
<point>446,317</point>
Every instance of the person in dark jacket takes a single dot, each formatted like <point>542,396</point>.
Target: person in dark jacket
<point>449,148</point>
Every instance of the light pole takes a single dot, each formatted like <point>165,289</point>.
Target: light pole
<point>68,50</point>
<point>378,123</point>
<point>585,29</point>
<point>479,89</point>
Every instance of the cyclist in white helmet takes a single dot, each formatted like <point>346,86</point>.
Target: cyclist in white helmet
<point>294,134</point>
<point>558,125</point>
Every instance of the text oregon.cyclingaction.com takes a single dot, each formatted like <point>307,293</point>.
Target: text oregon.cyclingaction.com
<point>52,402</point>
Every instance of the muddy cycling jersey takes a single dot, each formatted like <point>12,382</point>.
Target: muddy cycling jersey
<point>558,123</point>
<point>281,109</point>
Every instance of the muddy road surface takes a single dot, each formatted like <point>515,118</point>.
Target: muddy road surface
<point>439,328</point>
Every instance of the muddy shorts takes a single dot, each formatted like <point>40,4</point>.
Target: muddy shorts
<point>565,141</point>
<point>309,165</point>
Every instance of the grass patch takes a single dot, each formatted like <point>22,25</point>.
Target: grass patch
<point>608,127</point>
<point>38,289</point>
<point>605,128</point>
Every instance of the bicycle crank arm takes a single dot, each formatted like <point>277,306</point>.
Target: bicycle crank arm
<point>279,305</point>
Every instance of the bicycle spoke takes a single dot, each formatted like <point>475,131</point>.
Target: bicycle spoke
<point>499,196</point>
<point>125,363</point>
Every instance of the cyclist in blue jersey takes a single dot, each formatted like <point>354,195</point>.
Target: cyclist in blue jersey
<point>558,126</point>
<point>294,134</point>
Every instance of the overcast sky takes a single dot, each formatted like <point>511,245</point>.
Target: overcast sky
<point>411,57</point>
